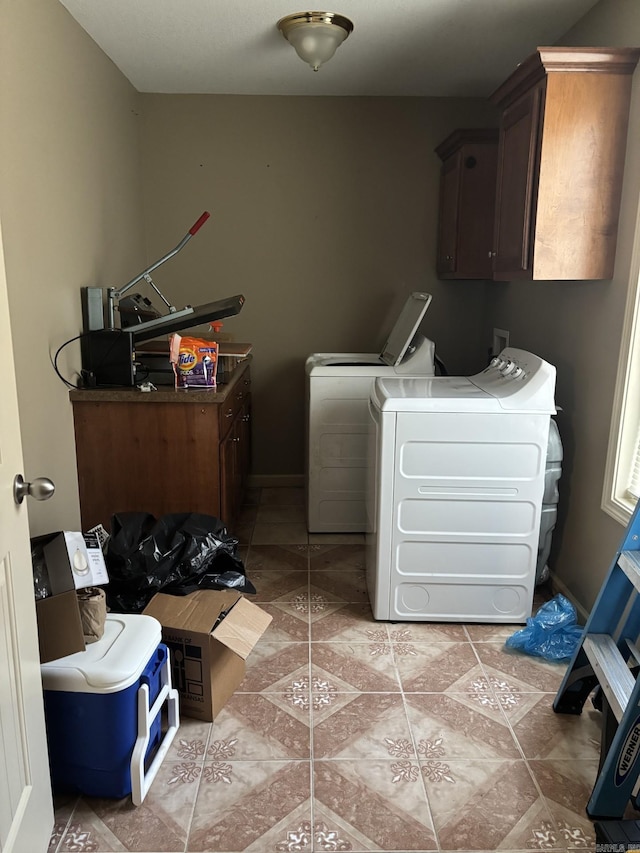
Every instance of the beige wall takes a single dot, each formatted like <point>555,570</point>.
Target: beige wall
<point>323,214</point>
<point>577,327</point>
<point>71,216</point>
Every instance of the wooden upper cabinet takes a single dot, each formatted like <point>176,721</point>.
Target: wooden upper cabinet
<point>561,152</point>
<point>467,201</point>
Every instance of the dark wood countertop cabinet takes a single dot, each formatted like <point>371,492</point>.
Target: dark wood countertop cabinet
<point>561,152</point>
<point>163,451</point>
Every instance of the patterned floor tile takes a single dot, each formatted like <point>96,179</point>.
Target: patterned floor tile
<point>336,539</point>
<point>542,733</point>
<point>362,725</point>
<point>434,667</point>
<point>160,823</point>
<point>190,742</point>
<point>260,727</point>
<point>491,633</point>
<point>288,624</point>
<point>372,805</point>
<point>336,558</point>
<point>63,805</point>
<point>487,805</point>
<point>280,557</point>
<point>276,534</point>
<point>345,585</point>
<point>278,584</point>
<point>269,663</point>
<point>409,729</point>
<point>566,787</point>
<point>426,632</point>
<point>457,726</point>
<point>282,496</point>
<point>252,806</point>
<point>532,673</point>
<point>364,667</point>
<point>277,514</point>
<point>347,623</point>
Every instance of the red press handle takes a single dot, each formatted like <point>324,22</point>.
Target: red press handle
<point>199,223</point>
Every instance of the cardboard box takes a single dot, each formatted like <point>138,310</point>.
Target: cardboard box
<point>73,561</point>
<point>86,559</point>
<point>210,634</point>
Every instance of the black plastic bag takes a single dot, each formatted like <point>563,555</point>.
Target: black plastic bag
<point>176,554</point>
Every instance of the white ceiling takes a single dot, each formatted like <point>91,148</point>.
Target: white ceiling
<point>410,47</point>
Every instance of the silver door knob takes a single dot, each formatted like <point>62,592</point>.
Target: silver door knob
<point>41,489</point>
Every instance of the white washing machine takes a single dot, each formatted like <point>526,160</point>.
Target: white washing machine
<point>454,496</point>
<point>338,386</point>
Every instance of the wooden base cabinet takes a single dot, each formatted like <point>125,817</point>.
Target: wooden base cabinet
<point>163,452</point>
<point>561,152</point>
<point>235,462</point>
<point>467,203</point>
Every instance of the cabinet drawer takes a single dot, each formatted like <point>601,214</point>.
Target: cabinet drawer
<point>232,405</point>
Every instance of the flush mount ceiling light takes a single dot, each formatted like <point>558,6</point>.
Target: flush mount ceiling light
<point>315,35</point>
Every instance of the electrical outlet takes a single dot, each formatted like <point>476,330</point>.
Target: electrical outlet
<point>500,340</point>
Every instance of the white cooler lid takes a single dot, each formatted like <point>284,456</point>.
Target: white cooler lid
<point>113,663</point>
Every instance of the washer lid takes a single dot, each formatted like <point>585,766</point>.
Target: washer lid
<point>113,663</point>
<point>431,394</point>
<point>346,364</point>
<point>404,329</point>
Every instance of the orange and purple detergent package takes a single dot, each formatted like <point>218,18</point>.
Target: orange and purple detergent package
<point>194,361</point>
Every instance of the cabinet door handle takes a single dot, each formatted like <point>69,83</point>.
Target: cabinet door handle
<point>246,418</point>
<point>229,414</point>
<point>492,254</point>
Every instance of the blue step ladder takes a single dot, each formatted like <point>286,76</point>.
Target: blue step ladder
<point>607,661</point>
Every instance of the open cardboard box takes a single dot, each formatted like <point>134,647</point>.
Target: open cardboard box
<point>59,625</point>
<point>73,561</point>
<point>210,634</point>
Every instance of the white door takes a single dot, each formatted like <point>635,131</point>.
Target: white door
<point>26,810</point>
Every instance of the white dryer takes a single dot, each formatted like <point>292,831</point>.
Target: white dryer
<point>454,496</point>
<point>338,386</point>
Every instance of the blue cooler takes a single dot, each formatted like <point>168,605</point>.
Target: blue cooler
<point>103,710</point>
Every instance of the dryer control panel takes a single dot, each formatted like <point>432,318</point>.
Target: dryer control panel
<point>519,380</point>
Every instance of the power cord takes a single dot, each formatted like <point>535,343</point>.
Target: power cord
<point>54,360</point>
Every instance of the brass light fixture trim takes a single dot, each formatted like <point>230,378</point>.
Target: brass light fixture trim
<point>285,24</point>
<point>315,35</point>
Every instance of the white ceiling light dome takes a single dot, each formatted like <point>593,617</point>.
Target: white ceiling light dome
<point>315,35</point>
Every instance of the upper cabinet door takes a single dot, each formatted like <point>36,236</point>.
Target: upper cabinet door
<point>517,185</point>
<point>467,203</point>
<point>562,145</point>
<point>448,218</point>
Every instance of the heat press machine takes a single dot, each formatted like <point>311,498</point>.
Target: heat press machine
<point>108,351</point>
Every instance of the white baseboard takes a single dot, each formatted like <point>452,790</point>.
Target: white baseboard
<point>275,481</point>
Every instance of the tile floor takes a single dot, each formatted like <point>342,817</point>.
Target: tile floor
<point>354,735</point>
